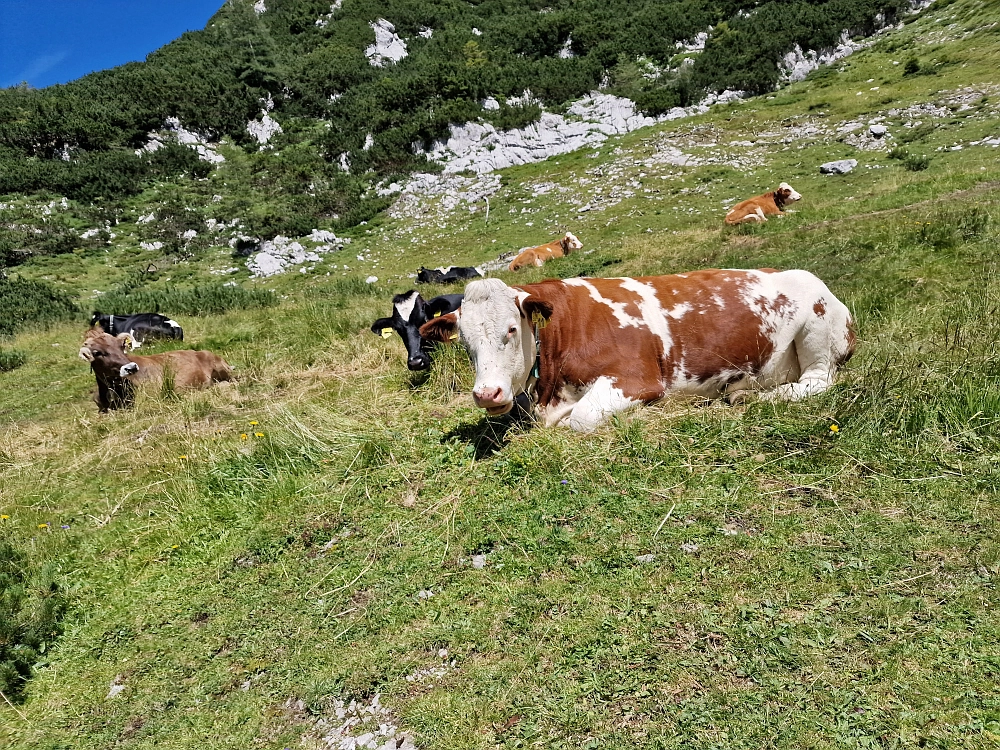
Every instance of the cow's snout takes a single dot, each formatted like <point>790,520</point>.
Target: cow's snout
<point>494,400</point>
<point>130,369</point>
<point>419,362</point>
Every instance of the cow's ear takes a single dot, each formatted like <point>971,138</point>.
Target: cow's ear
<point>536,310</point>
<point>443,328</point>
<point>380,326</point>
<point>126,341</point>
<point>437,307</point>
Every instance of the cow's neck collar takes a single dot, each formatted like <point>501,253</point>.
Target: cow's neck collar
<point>778,200</point>
<point>111,324</point>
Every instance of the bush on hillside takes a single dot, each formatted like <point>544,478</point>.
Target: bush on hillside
<point>11,359</point>
<point>205,299</point>
<point>31,608</point>
<point>25,303</point>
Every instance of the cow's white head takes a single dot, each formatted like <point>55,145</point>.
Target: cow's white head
<point>495,324</point>
<point>571,242</point>
<point>788,194</point>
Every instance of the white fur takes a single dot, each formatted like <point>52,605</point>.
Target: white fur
<point>574,241</point>
<point>793,195</point>
<point>405,308</point>
<point>173,324</point>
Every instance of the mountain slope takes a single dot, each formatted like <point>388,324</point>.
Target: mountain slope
<point>239,565</point>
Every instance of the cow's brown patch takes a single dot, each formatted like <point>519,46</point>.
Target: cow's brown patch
<point>819,308</point>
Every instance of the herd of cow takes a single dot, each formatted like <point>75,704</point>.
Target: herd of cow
<point>580,349</point>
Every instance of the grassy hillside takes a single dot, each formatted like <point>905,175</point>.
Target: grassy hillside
<point>235,563</point>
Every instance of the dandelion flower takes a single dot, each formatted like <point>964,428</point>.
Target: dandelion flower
<point>834,428</point>
<point>259,434</point>
<point>176,546</point>
<point>4,518</point>
<point>254,422</point>
<point>244,436</point>
<point>43,526</point>
<point>182,457</point>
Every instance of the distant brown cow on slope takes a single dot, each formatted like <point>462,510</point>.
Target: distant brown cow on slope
<point>539,256</point>
<point>758,208</point>
<point>118,372</point>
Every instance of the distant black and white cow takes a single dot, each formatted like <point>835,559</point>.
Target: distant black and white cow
<point>410,311</point>
<point>448,275</point>
<point>140,326</point>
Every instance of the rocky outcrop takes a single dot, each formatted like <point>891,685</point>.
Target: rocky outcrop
<point>842,166</point>
<point>174,132</point>
<point>481,148</point>
<point>278,255</point>
<point>388,47</point>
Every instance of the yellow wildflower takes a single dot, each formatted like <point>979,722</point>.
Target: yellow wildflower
<point>259,434</point>
<point>254,422</point>
<point>43,526</point>
<point>176,546</point>
<point>834,428</point>
<point>4,518</point>
<point>182,457</point>
<point>243,436</point>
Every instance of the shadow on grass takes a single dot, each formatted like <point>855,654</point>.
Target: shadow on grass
<point>487,436</point>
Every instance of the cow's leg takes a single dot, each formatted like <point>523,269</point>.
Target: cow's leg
<point>601,402</point>
<point>817,363</point>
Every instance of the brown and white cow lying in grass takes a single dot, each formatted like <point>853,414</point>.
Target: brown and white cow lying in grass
<point>539,256</point>
<point>757,209</point>
<point>118,372</point>
<point>590,348</point>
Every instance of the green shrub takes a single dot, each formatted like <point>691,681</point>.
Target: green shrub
<point>31,608</point>
<point>11,359</point>
<point>912,67</point>
<point>916,162</point>
<point>205,299</point>
<point>24,303</point>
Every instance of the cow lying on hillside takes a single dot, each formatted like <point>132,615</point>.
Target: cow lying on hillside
<point>448,275</point>
<point>539,256</point>
<point>758,208</point>
<point>409,312</point>
<point>590,348</point>
<point>140,326</point>
<point>118,372</point>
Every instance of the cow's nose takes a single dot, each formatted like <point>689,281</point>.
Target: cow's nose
<point>488,396</point>
<point>419,362</point>
<point>130,369</point>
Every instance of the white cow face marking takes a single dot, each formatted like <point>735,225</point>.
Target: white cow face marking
<point>574,242</point>
<point>405,308</point>
<point>792,194</point>
<point>500,341</point>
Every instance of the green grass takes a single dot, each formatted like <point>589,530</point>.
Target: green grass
<point>808,587</point>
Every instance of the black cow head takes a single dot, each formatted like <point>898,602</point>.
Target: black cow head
<point>409,312</point>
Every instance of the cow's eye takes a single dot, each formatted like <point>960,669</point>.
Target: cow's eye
<point>512,331</point>
<point>98,354</point>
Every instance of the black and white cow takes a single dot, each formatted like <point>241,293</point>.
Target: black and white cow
<point>410,311</point>
<point>448,275</point>
<point>140,326</point>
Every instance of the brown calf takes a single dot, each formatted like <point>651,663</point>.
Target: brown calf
<point>538,256</point>
<point>118,372</point>
<point>758,208</point>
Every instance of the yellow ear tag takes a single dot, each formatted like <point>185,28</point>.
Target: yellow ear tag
<point>386,333</point>
<point>453,337</point>
<point>437,314</point>
<point>539,320</point>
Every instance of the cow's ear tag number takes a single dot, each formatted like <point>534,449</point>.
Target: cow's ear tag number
<point>386,333</point>
<point>453,337</point>
<point>437,314</point>
<point>539,320</point>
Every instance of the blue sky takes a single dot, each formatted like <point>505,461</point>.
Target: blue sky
<point>54,41</point>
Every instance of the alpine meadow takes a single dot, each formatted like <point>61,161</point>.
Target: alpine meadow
<point>331,551</point>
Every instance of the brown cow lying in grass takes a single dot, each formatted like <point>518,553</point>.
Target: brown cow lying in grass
<point>538,256</point>
<point>757,209</point>
<point>118,372</point>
